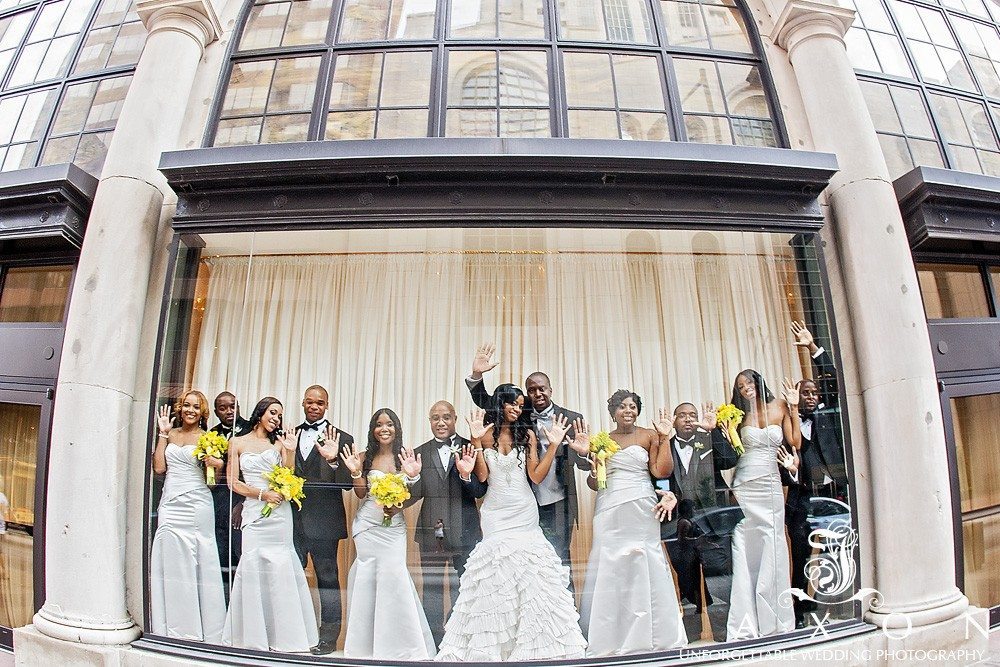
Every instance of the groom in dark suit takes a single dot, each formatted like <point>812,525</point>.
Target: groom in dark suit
<point>556,495</point>
<point>450,498</point>
<point>321,523</point>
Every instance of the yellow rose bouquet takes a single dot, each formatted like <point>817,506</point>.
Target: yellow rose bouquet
<point>730,417</point>
<point>210,444</point>
<point>389,490</point>
<point>603,447</point>
<point>287,483</point>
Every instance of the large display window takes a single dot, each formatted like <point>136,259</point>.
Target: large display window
<point>514,444</point>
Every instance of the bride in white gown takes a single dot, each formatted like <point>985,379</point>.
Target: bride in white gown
<point>385,619</point>
<point>760,553</point>
<point>513,601</point>
<point>270,607</point>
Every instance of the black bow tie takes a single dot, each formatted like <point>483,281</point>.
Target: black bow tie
<point>685,443</point>
<point>306,426</point>
<point>443,443</point>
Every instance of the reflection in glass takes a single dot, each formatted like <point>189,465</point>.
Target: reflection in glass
<point>19,433</point>
<point>619,21</point>
<point>377,20</point>
<point>86,107</point>
<point>952,290</point>
<point>115,39</point>
<point>588,80</point>
<point>22,124</point>
<point>48,51</point>
<point>593,124</point>
<point>635,79</point>
<point>35,294</point>
<point>506,80</point>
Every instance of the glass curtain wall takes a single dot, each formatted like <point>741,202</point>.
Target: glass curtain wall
<point>373,344</point>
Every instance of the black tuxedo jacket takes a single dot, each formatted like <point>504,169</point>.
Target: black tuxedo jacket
<point>447,497</point>
<point>566,458</point>
<point>824,450</point>
<point>702,482</point>
<point>322,520</point>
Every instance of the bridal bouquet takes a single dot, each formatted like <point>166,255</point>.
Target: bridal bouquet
<point>210,444</point>
<point>603,447</point>
<point>287,483</point>
<point>389,490</point>
<point>729,417</point>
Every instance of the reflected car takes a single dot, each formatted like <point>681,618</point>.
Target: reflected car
<point>825,511</point>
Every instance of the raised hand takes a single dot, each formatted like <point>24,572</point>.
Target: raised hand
<point>329,444</point>
<point>353,460</point>
<point>665,508</point>
<point>477,425</point>
<point>581,443</point>
<point>163,420</point>
<point>465,460</point>
<point>557,432</point>
<point>803,337</point>
<point>289,439</point>
<point>708,418</point>
<point>483,361</point>
<point>785,459</point>
<point>664,425</point>
<point>790,393</point>
<point>409,462</point>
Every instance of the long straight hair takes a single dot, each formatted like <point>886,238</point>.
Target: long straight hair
<point>258,414</point>
<point>763,393</point>
<point>373,444</point>
<point>506,394</point>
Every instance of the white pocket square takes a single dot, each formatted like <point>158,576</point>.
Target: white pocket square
<point>702,457</point>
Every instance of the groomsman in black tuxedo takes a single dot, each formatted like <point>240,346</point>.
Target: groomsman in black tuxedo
<point>228,538</point>
<point>321,523</point>
<point>450,496</point>
<point>700,453</point>
<point>556,495</point>
<point>823,467</point>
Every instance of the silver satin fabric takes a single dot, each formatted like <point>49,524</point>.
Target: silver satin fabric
<point>629,603</point>
<point>270,607</point>
<point>385,618</point>
<point>186,597</point>
<point>761,570</point>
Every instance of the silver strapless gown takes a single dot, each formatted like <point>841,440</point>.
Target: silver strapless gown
<point>761,570</point>
<point>185,587</point>
<point>385,619</point>
<point>270,607</point>
<point>629,602</point>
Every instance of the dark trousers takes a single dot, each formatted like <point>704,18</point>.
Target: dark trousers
<point>328,580</point>
<point>798,534</point>
<point>557,525</point>
<point>436,567</point>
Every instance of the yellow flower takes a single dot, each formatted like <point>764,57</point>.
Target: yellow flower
<point>730,417</point>
<point>210,444</point>
<point>603,447</point>
<point>389,490</point>
<point>287,483</point>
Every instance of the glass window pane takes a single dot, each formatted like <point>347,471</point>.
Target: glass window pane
<point>238,131</point>
<point>890,55</point>
<point>880,106</point>
<point>952,290</point>
<point>472,78</point>
<point>375,20</point>
<point>708,129</point>
<point>977,454</point>
<point>112,12</point>
<point>754,132</point>
<point>265,26</point>
<point>75,108</point>
<point>726,29</point>
<point>978,124</point>
<point>981,549</point>
<point>128,46</point>
<point>588,80</point>
<point>524,78</point>
<point>307,22</point>
<point>406,79</point>
<point>926,153</point>
<point>964,158</point>
<point>860,50</point>
<point>473,20</point>
<point>350,125</point>
<point>582,20</point>
<point>636,79</point>
<point>294,84</point>
<point>628,21</point>
<point>107,103</point>
<point>744,90</point>
<point>897,156</point>
<point>92,151</point>
<point>525,123</point>
<point>990,162</point>
<point>356,81</point>
<point>96,50</point>
<point>61,150</point>
<point>248,87</point>
<point>950,120</point>
<point>471,123</point>
<point>35,294</point>
<point>995,277</point>
<point>35,115</point>
<point>873,15</point>
<point>913,113</point>
<point>644,126</point>
<point>593,124</point>
<point>928,62</point>
<point>986,74</point>
<point>13,29</point>
<point>289,127</point>
<point>698,84</point>
<point>401,123</point>
<point>521,19</point>
<point>28,62</point>
<point>20,426</point>
<point>685,25</point>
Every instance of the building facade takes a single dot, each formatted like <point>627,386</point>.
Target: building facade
<point>259,197</point>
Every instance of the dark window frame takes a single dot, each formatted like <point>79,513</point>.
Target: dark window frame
<point>440,43</point>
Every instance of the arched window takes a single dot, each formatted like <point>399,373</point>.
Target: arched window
<point>683,70</point>
<point>930,73</point>
<point>65,66</point>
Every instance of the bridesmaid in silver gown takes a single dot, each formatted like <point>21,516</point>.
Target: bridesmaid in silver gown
<point>629,603</point>
<point>270,607</point>
<point>186,596</point>
<point>761,570</point>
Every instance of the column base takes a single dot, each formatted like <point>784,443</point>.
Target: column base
<point>928,612</point>
<point>58,627</point>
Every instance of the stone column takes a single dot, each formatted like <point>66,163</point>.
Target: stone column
<point>903,437</point>
<point>85,533</point>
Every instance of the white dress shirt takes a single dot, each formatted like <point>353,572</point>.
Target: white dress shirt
<point>685,450</point>
<point>551,490</point>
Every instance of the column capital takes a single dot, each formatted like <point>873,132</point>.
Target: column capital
<point>801,19</point>
<point>195,18</point>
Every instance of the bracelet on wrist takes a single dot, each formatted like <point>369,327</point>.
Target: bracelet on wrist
<point>260,494</point>
<point>465,479</point>
<point>411,480</point>
<point>163,435</point>
<point>357,475</point>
